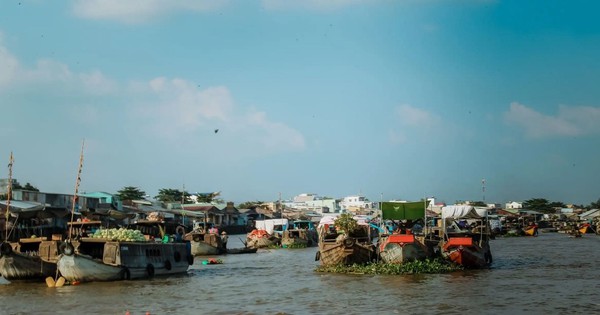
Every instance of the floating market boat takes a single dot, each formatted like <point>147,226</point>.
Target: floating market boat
<point>98,259</point>
<point>531,230</point>
<point>205,243</point>
<point>302,233</point>
<point>27,260</point>
<point>397,247</point>
<point>266,233</point>
<point>350,248</point>
<point>465,247</point>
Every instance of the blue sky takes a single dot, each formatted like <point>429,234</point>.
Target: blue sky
<point>401,99</point>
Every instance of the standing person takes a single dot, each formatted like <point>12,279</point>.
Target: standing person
<point>224,238</point>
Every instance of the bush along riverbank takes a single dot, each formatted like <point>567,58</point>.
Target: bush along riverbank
<point>407,268</point>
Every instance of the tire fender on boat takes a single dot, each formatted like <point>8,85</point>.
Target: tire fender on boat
<point>318,256</point>
<point>150,270</point>
<point>66,248</point>
<point>349,242</point>
<point>168,265</point>
<point>196,238</point>
<point>126,274</point>
<point>5,249</point>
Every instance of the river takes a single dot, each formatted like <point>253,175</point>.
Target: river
<point>548,274</point>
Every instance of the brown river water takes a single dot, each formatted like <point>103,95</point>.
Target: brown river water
<point>548,274</point>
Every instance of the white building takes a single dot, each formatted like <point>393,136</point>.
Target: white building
<point>312,203</point>
<point>514,205</point>
<point>356,202</point>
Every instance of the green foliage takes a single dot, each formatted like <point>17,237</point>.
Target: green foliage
<point>346,223</point>
<point>595,205</point>
<point>478,204</point>
<point>538,204</point>
<point>249,204</point>
<point>172,195</point>
<point>29,187</point>
<point>131,193</point>
<point>414,267</point>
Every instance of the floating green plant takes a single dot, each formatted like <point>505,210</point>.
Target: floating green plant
<point>413,267</point>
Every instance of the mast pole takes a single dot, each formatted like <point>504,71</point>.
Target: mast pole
<point>8,194</point>
<point>77,182</point>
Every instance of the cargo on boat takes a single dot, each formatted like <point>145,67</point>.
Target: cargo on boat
<point>337,246</point>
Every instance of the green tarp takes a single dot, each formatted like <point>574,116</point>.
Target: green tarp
<point>403,210</point>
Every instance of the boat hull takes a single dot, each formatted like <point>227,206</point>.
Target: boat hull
<point>467,254</point>
<point>302,237</point>
<point>126,260</point>
<point>345,251</point>
<point>402,250</point>
<point>17,266</point>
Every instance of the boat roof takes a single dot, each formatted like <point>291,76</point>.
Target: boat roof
<point>17,206</point>
<point>463,212</point>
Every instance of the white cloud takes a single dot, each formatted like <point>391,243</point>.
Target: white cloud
<point>8,63</point>
<point>414,122</point>
<point>413,116</point>
<point>139,11</point>
<point>318,5</point>
<point>189,110</point>
<point>570,121</point>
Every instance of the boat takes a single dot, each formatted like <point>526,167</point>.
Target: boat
<point>118,254</point>
<point>28,258</point>
<point>94,259</point>
<point>267,233</point>
<point>402,246</point>
<point>468,248</point>
<point>341,247</point>
<point>302,234</point>
<point>205,243</point>
<point>241,250</point>
<point>531,230</point>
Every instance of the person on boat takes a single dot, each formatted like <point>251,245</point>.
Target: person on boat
<point>213,230</point>
<point>224,238</point>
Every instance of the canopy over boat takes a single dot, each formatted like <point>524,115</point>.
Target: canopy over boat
<point>269,225</point>
<point>463,212</point>
<point>403,210</point>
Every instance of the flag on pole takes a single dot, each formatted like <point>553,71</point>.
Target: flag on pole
<point>403,210</point>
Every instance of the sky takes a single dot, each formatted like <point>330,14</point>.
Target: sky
<point>478,100</point>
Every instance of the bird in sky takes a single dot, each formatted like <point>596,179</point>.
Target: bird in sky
<point>216,130</point>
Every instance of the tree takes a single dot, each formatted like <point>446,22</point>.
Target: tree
<point>478,204</point>
<point>249,204</point>
<point>172,195</point>
<point>29,187</point>
<point>595,205</point>
<point>131,193</point>
<point>541,205</point>
<point>209,197</point>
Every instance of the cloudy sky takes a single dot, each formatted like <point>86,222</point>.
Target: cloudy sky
<point>401,99</point>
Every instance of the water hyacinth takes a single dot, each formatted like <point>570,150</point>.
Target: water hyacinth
<point>413,267</point>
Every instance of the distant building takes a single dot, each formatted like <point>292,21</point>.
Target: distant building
<point>357,204</point>
<point>514,205</point>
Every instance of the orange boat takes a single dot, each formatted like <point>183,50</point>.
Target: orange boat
<point>531,230</point>
<point>468,248</point>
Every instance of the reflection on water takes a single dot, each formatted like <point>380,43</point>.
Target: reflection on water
<point>551,273</point>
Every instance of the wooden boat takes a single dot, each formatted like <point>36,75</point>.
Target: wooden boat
<point>466,248</point>
<point>352,248</point>
<point>302,233</point>
<point>205,243</point>
<point>260,239</point>
<point>92,259</point>
<point>403,246</point>
<point>19,262</point>
<point>267,233</point>
<point>399,248</point>
<point>531,230</point>
<point>242,250</point>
